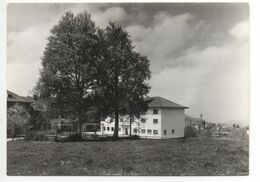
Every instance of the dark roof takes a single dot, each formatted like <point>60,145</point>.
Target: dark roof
<point>12,97</point>
<point>162,103</point>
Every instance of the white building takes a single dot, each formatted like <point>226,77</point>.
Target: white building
<point>163,119</point>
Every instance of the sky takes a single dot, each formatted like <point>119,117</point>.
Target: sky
<point>198,52</point>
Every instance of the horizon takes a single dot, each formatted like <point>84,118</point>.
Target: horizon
<point>204,67</point>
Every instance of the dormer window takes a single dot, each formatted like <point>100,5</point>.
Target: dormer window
<point>155,111</point>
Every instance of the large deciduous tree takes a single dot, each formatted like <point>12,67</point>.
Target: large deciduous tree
<point>123,81</point>
<point>66,77</point>
<point>84,67</point>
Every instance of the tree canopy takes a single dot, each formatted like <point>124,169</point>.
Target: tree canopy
<point>86,67</point>
<point>124,82</point>
<point>66,74</point>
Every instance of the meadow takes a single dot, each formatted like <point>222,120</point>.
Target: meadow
<point>187,156</point>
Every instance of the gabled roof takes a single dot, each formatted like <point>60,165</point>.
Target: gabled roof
<point>12,97</point>
<point>163,103</point>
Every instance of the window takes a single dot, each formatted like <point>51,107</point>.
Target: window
<point>143,131</point>
<point>149,131</point>
<point>155,132</point>
<point>112,128</point>
<point>104,128</point>
<point>108,128</point>
<point>143,120</point>
<point>165,132</point>
<point>135,130</point>
<point>172,131</point>
<point>155,111</point>
<point>155,121</point>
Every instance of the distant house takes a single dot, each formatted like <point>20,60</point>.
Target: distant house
<point>194,122</point>
<point>163,119</point>
<point>13,99</point>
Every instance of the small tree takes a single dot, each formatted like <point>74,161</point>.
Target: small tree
<point>17,118</point>
<point>38,116</point>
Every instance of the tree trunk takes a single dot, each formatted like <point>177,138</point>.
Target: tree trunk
<point>131,126</point>
<point>116,124</point>
<point>80,122</point>
<point>116,107</point>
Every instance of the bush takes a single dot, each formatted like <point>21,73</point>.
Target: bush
<point>38,135</point>
<point>134,137</point>
<point>190,132</point>
<point>34,136</point>
<point>74,137</point>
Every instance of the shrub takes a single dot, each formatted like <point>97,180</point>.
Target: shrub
<point>135,137</point>
<point>190,132</point>
<point>34,136</point>
<point>75,137</point>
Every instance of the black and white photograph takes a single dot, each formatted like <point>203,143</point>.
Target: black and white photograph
<point>127,89</point>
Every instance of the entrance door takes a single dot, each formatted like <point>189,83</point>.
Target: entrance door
<point>126,131</point>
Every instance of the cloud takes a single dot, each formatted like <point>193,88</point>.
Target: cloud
<point>101,14</point>
<point>165,37</point>
<point>116,14</point>
<point>216,75</point>
<point>240,31</point>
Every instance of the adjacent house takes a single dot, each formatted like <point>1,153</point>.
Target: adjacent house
<point>13,99</point>
<point>163,119</point>
<point>197,123</point>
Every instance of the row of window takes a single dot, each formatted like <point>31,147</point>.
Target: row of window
<point>108,128</point>
<point>112,129</point>
<point>155,121</point>
<point>155,132</point>
<point>155,111</point>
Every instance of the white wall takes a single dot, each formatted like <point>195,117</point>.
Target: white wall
<point>173,119</point>
<point>168,119</point>
<point>107,123</point>
<point>149,116</point>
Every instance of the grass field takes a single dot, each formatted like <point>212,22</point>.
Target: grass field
<point>191,156</point>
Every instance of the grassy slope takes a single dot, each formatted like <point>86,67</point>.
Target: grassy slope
<point>193,156</point>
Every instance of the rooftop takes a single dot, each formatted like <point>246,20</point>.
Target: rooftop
<point>162,103</point>
<point>12,97</point>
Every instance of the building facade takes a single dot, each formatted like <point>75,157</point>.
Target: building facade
<point>13,99</point>
<point>163,119</point>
